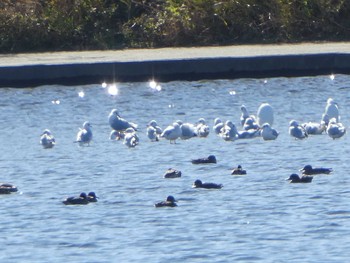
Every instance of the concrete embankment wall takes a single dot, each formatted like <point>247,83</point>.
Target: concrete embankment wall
<point>71,68</point>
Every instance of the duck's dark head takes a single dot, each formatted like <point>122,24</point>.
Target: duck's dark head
<point>171,199</point>
<point>92,194</point>
<point>307,168</point>
<point>212,158</point>
<point>83,195</point>
<point>293,177</point>
<point>197,183</point>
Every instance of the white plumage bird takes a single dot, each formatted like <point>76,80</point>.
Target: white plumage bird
<point>335,129</point>
<point>118,123</point>
<point>172,132</point>
<point>84,135</point>
<point>202,128</point>
<point>131,139</point>
<point>47,140</point>
<point>218,125</point>
<point>332,110</point>
<point>296,130</point>
<point>268,133</point>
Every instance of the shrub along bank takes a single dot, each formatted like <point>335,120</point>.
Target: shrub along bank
<point>51,25</point>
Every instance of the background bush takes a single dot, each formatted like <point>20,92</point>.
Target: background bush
<point>48,25</point>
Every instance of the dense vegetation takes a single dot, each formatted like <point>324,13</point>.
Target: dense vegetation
<point>42,25</point>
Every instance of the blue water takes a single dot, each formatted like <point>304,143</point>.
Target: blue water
<point>259,217</point>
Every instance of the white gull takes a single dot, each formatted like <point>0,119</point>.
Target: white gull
<point>172,132</point>
<point>47,140</point>
<point>84,136</point>
<point>335,129</point>
<point>265,114</point>
<point>296,130</point>
<point>119,124</point>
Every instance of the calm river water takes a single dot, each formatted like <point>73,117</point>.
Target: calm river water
<point>259,217</point>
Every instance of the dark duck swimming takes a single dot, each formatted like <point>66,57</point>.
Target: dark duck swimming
<point>82,199</point>
<point>238,171</point>
<point>294,178</point>
<point>172,173</point>
<point>169,202</point>
<point>6,188</point>
<point>209,159</point>
<point>199,184</point>
<point>92,197</point>
<point>309,170</point>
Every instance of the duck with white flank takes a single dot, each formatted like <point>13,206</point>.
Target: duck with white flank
<point>6,188</point>
<point>239,171</point>
<point>172,173</point>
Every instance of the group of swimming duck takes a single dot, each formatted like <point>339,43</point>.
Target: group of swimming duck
<point>307,175</point>
<point>82,199</point>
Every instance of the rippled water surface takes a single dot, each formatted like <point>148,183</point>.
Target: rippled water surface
<point>259,217</point>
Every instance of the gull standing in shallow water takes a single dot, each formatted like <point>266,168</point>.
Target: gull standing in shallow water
<point>335,129</point>
<point>229,131</point>
<point>250,124</point>
<point>131,139</point>
<point>202,128</point>
<point>314,128</point>
<point>268,133</point>
<point>153,131</point>
<point>84,136</point>
<point>188,130</point>
<point>119,124</point>
<point>332,110</point>
<point>265,114</point>
<point>172,132</point>
<point>297,131</point>
<point>218,125</point>
<point>245,115</point>
<point>47,140</point>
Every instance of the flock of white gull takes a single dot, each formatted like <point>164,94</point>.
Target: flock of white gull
<point>252,127</point>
